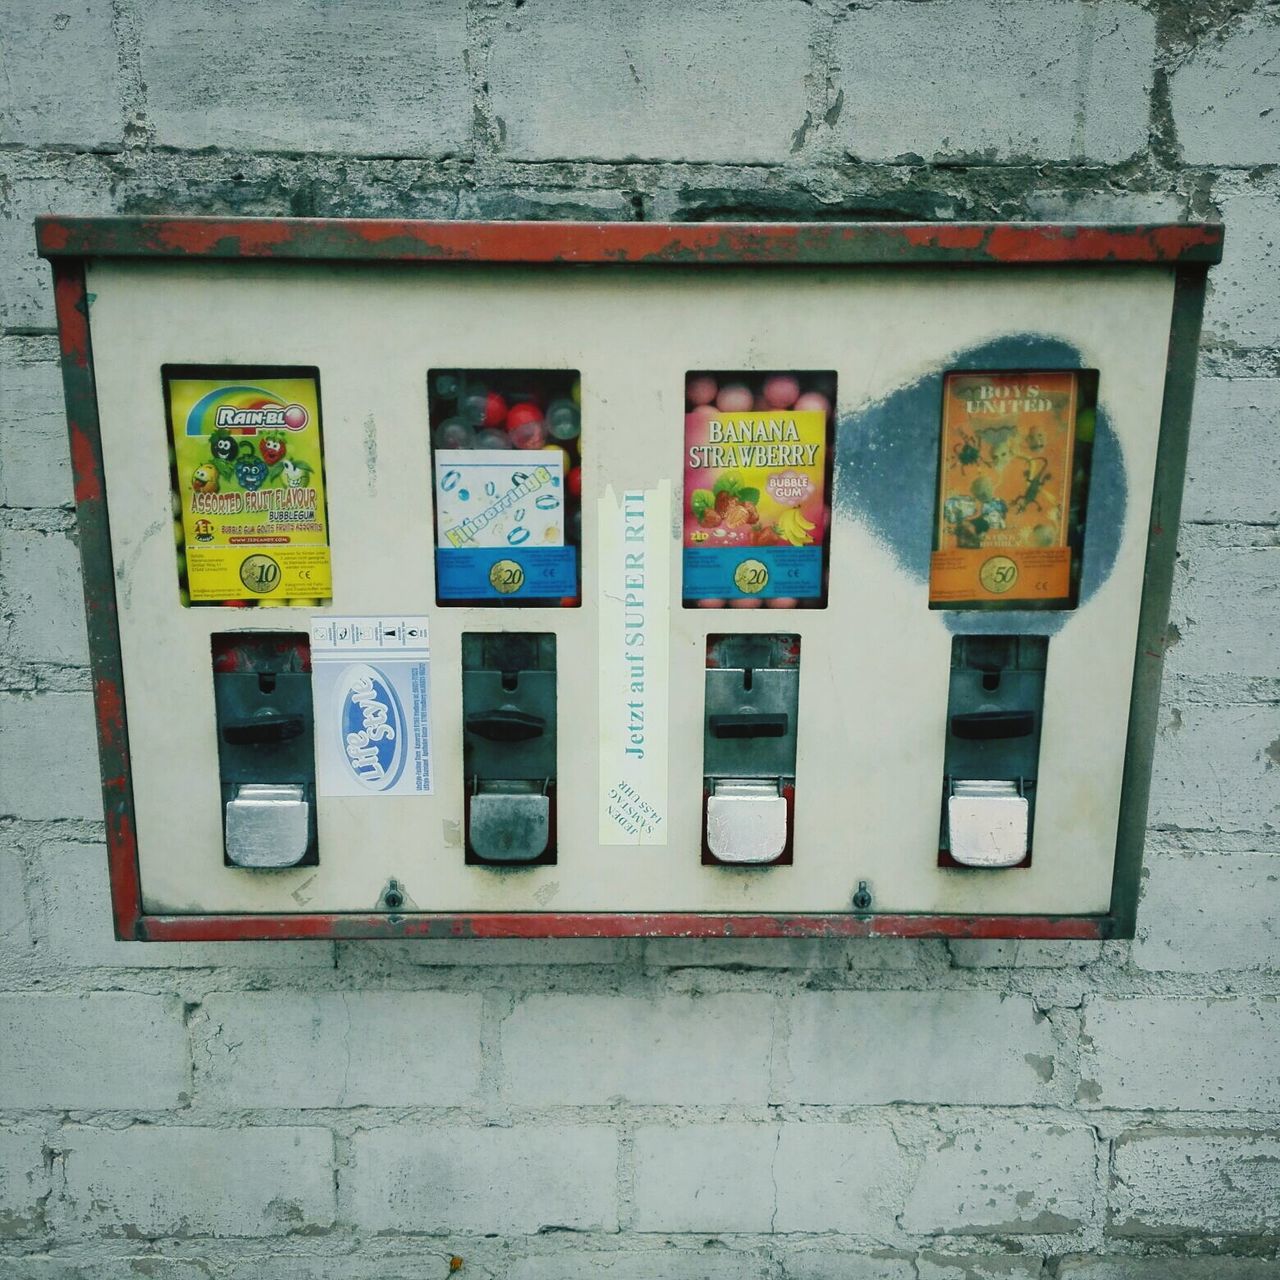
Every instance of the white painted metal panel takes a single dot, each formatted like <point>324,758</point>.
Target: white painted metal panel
<point>874,673</point>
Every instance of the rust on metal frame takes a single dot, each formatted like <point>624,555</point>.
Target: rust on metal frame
<point>635,243</point>
<point>81,395</point>
<point>196,928</point>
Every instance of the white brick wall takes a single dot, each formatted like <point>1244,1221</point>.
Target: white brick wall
<point>598,1049</point>
<point>1216,1054</point>
<point>943,1046</point>
<point>671,1109</point>
<point>982,83</point>
<point>705,83</point>
<point>179,1181</point>
<point>367,1048</point>
<point>442,1178</point>
<point>1006,1179</point>
<point>1221,1183</point>
<point>381,78</point>
<point>1226,97</point>
<point>99,1050</point>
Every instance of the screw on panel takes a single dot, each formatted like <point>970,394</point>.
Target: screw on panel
<point>862,899</point>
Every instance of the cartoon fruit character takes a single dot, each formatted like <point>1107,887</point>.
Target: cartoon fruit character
<point>251,471</point>
<point>223,446</point>
<point>272,447</point>
<point>295,473</point>
<point>204,479</point>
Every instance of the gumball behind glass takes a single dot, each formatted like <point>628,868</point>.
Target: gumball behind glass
<point>734,397</point>
<point>453,433</point>
<point>781,391</point>
<point>529,435</point>
<point>701,389</point>
<point>814,400</point>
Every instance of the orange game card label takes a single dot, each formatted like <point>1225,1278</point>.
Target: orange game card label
<point>1004,489</point>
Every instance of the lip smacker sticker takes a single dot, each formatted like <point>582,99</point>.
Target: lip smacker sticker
<point>753,508</point>
<point>250,480</point>
<point>1004,491</point>
<point>500,525</point>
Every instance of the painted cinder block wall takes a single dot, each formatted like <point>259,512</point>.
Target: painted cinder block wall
<point>890,1110</point>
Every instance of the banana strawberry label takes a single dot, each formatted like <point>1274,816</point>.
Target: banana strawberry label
<point>248,470</point>
<point>754,504</point>
<point>1005,490</point>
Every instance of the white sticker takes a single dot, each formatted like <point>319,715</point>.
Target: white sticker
<point>499,498</point>
<point>371,692</point>
<point>635,538</point>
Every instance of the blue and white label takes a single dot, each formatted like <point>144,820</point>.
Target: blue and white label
<point>480,573</point>
<point>767,572</point>
<point>500,526</point>
<point>371,692</point>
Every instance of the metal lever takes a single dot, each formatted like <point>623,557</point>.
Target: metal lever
<point>750,724</point>
<point>267,825</point>
<point>271,727</point>
<point>505,724</point>
<point>985,725</point>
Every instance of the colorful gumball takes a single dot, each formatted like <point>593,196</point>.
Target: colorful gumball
<point>573,482</point>
<point>746,602</point>
<point>575,391</point>
<point>492,438</point>
<point>734,397</point>
<point>529,435</point>
<point>454,433</point>
<point>700,416</point>
<point>781,391</point>
<point>521,413</point>
<point>702,388</point>
<point>709,603</point>
<point>564,422</point>
<point>295,417</point>
<point>813,400</point>
<point>782,602</point>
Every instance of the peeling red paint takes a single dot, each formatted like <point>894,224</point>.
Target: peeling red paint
<point>652,925</point>
<point>675,244</point>
<point>945,236</point>
<point>87,482</point>
<point>110,707</point>
<point>126,889</point>
<point>244,237</point>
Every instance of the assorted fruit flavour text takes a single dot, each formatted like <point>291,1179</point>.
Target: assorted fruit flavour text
<point>507,480</point>
<point>757,481</point>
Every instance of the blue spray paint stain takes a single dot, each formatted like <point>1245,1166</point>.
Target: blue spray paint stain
<point>887,472</point>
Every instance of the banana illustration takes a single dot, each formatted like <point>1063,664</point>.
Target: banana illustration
<point>794,527</point>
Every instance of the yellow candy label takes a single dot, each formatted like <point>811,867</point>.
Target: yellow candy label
<point>249,475</point>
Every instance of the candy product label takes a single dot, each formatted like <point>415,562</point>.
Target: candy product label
<point>1004,490</point>
<point>500,524</point>
<point>371,690</point>
<point>753,504</point>
<point>249,467</point>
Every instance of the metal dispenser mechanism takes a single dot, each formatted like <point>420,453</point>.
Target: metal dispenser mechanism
<point>509,745</point>
<point>266,753</point>
<point>749,747</point>
<point>994,712</point>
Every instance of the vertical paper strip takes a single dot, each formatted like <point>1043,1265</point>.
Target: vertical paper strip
<point>635,615</point>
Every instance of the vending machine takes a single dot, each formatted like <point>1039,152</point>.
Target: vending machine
<point>508,579</point>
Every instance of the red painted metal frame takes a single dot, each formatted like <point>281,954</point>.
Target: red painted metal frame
<point>632,243</point>
<point>70,242</point>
